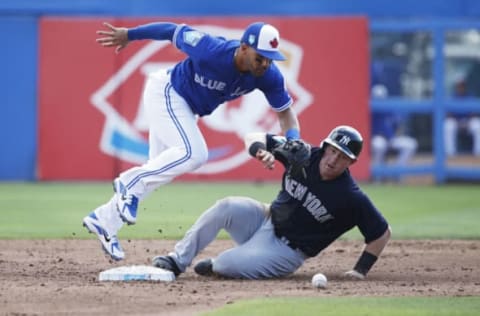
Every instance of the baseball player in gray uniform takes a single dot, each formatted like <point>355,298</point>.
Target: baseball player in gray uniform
<point>216,70</point>
<point>318,202</point>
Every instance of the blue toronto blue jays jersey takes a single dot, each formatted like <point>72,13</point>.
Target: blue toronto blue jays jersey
<point>208,77</point>
<point>311,213</point>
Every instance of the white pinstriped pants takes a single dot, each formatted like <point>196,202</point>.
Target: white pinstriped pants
<point>176,144</point>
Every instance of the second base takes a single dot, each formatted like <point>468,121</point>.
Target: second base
<point>136,273</point>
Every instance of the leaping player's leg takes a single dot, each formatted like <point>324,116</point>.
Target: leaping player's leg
<point>177,146</point>
<point>104,222</point>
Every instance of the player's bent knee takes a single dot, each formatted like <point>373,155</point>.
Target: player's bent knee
<point>234,203</point>
<point>198,159</point>
<point>224,205</point>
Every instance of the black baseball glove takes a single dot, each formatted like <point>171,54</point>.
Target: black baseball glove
<point>297,154</point>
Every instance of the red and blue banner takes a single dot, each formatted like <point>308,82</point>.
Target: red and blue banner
<point>92,124</point>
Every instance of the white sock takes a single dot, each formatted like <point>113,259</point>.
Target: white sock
<point>108,216</point>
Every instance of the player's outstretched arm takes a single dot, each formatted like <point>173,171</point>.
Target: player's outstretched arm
<point>369,256</point>
<point>119,37</point>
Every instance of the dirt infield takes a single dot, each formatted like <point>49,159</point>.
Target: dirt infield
<point>45,277</point>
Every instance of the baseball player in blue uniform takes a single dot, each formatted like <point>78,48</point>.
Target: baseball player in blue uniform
<point>318,202</point>
<point>216,70</point>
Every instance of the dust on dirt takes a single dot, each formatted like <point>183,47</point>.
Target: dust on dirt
<point>45,277</point>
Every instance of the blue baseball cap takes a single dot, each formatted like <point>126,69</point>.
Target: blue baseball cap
<point>265,39</point>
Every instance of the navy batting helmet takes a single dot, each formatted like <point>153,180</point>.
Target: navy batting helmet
<point>346,139</point>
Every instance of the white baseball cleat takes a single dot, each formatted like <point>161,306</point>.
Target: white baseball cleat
<point>110,244</point>
<point>127,204</point>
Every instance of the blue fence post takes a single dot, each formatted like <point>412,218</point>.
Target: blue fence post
<point>439,105</point>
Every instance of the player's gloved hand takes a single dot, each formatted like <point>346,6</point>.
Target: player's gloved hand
<point>297,154</point>
<point>354,275</point>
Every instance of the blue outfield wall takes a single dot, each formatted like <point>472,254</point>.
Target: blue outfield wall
<point>19,53</point>
<point>18,92</point>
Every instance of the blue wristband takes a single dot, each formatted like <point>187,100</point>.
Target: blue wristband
<point>292,133</point>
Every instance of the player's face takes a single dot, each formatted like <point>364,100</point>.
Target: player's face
<point>257,64</point>
<point>333,163</point>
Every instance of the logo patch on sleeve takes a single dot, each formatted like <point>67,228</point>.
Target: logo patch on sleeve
<point>192,37</point>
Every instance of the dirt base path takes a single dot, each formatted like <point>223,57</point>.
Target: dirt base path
<point>45,277</point>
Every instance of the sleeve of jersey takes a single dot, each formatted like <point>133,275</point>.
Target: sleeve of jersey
<point>155,31</point>
<point>194,43</point>
<point>371,222</point>
<point>275,90</point>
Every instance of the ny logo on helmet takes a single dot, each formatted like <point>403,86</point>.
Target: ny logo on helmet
<point>345,140</point>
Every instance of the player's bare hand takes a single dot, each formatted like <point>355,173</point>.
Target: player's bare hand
<point>113,37</point>
<point>354,275</point>
<point>267,158</point>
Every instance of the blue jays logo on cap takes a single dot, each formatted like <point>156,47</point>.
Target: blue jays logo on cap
<point>265,39</point>
<point>251,39</point>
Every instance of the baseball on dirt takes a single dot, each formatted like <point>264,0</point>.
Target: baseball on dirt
<point>319,280</point>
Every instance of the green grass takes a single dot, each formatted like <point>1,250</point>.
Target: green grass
<point>55,210</point>
<point>354,306</point>
<point>449,211</point>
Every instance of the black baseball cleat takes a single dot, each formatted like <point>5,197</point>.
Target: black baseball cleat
<point>167,263</point>
<point>205,268</point>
